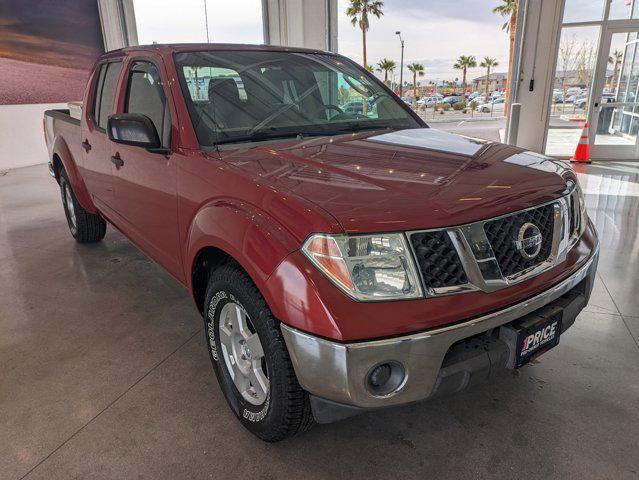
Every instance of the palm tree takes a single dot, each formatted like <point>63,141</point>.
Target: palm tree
<point>358,12</point>
<point>370,68</point>
<point>508,10</point>
<point>416,69</point>
<point>488,63</point>
<point>615,59</point>
<point>464,62</point>
<point>385,65</point>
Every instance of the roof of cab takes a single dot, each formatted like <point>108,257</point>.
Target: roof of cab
<point>169,48</point>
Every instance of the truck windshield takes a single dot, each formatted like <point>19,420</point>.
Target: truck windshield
<point>237,96</point>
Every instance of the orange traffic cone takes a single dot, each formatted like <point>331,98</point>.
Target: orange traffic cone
<point>582,154</point>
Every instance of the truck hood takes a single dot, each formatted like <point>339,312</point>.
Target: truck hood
<point>405,180</point>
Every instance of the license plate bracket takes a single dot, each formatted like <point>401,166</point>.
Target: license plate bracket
<point>532,335</point>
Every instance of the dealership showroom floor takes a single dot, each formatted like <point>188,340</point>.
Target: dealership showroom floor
<point>105,373</point>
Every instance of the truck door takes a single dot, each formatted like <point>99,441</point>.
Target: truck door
<point>96,165</point>
<point>145,182</point>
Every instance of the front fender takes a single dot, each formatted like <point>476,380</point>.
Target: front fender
<point>256,241</point>
<point>63,152</point>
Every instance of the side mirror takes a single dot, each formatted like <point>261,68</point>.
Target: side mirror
<point>133,129</point>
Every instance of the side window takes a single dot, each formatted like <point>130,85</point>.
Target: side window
<point>146,96</point>
<point>99,83</point>
<point>105,91</point>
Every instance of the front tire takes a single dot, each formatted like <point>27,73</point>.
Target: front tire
<point>84,226</point>
<point>250,358</point>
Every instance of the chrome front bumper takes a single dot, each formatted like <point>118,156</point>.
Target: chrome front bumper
<point>337,371</point>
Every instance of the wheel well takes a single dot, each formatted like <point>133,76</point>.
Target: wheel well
<point>206,260</point>
<point>57,166</point>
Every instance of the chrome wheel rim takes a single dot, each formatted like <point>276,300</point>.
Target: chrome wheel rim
<point>68,200</point>
<point>243,353</point>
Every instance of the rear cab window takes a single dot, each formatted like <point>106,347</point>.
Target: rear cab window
<point>106,83</point>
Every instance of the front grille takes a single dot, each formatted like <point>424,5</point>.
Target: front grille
<point>503,232</point>
<point>438,260</point>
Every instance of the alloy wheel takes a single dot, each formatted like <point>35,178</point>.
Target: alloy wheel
<point>243,354</point>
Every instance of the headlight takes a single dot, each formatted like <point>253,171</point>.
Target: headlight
<point>366,267</point>
<point>583,215</point>
<point>578,215</point>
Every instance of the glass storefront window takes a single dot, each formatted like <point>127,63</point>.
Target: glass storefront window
<point>623,9</point>
<point>571,91</point>
<point>593,10</point>
<point>617,126</point>
<point>583,10</point>
<point>612,110</point>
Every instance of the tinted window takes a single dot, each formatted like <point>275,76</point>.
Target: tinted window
<point>105,91</point>
<point>99,83</point>
<point>255,95</point>
<point>146,96</point>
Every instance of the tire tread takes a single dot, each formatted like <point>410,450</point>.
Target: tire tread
<point>90,227</point>
<point>298,417</point>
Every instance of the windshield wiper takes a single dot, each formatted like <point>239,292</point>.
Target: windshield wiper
<point>262,135</point>
<point>359,127</point>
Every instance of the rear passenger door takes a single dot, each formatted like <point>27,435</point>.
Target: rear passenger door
<point>145,190</point>
<point>96,165</point>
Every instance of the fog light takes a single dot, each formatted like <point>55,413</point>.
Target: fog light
<point>385,378</point>
<point>380,375</point>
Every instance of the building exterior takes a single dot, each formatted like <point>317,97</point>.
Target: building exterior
<point>497,82</point>
<point>577,78</point>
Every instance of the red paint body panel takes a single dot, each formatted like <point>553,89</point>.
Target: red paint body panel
<point>65,145</point>
<point>260,202</point>
<point>371,185</point>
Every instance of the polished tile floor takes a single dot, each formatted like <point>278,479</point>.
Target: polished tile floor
<point>104,372</point>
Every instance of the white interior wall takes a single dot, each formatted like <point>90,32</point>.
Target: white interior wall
<point>22,136</point>
<point>301,23</point>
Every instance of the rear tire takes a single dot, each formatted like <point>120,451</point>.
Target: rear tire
<point>84,226</point>
<point>279,408</point>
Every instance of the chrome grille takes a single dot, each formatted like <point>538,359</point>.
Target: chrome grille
<point>484,256</point>
<point>503,232</point>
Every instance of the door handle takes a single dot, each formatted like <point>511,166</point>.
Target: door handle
<point>86,145</point>
<point>117,161</point>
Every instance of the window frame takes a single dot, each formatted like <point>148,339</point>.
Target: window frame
<point>103,67</point>
<point>127,91</point>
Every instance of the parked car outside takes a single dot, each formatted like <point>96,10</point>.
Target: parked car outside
<point>340,263</point>
<point>479,100</point>
<point>452,99</point>
<point>581,102</point>
<point>429,101</point>
<point>356,107</point>
<point>496,106</point>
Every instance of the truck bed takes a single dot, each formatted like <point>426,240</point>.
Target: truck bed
<point>62,129</point>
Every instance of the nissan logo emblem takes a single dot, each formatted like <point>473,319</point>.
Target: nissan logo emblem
<point>528,242</point>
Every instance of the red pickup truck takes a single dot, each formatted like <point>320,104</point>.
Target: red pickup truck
<point>342,260</point>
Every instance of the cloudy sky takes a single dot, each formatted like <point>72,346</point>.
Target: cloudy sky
<point>435,32</point>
